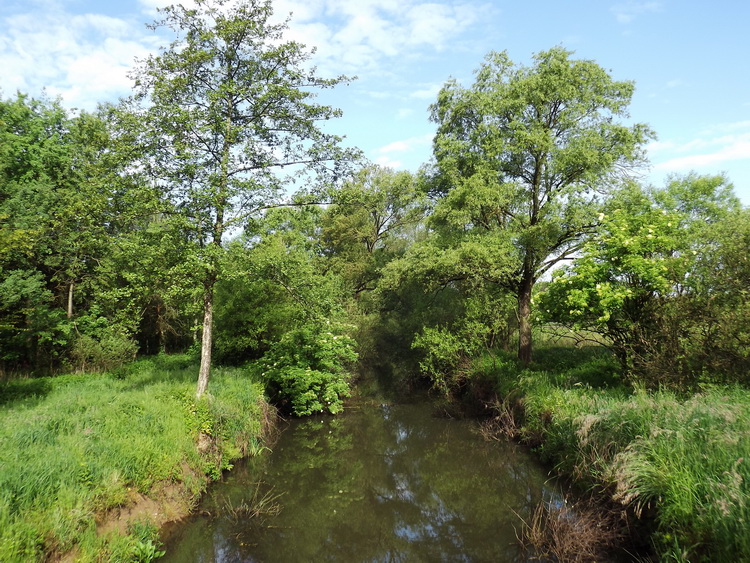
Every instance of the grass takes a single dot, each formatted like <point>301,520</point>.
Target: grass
<point>680,462</point>
<point>74,447</point>
<point>580,532</point>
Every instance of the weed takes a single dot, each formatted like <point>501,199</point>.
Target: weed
<point>579,532</point>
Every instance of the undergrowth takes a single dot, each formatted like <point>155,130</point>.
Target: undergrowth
<point>76,446</point>
<point>681,462</point>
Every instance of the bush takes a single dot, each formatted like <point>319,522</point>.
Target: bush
<point>109,350</point>
<point>306,370</point>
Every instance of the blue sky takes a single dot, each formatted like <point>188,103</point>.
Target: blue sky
<point>690,61</point>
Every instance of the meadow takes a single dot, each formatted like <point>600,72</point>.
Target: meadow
<point>93,464</point>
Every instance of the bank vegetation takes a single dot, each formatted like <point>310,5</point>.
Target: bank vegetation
<point>210,223</point>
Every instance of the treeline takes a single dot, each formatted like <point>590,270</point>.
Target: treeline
<point>165,223</point>
<point>211,213</point>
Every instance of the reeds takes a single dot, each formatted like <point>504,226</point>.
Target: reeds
<point>576,533</point>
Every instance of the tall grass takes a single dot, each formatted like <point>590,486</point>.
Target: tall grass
<point>683,461</point>
<point>75,446</point>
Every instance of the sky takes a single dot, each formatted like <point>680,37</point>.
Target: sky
<point>689,59</point>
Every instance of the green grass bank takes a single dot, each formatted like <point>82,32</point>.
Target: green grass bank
<point>93,464</point>
<point>679,462</point>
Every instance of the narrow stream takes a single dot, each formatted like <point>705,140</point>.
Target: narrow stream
<point>381,482</point>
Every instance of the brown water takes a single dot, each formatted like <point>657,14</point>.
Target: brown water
<point>382,482</point>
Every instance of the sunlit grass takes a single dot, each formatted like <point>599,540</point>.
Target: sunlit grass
<point>75,446</point>
<point>682,460</point>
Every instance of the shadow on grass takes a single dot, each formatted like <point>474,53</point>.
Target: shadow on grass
<point>20,389</point>
<point>151,370</point>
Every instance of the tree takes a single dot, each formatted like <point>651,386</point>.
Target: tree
<point>231,105</point>
<point>370,222</point>
<point>664,280</point>
<point>57,190</point>
<point>520,158</point>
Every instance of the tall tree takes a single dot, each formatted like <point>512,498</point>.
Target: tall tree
<point>230,105</point>
<point>520,157</point>
<point>371,222</point>
<point>54,212</point>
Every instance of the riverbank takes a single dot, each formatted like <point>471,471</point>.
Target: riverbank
<point>93,464</point>
<point>679,463</point>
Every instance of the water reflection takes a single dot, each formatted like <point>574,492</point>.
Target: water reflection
<point>380,483</point>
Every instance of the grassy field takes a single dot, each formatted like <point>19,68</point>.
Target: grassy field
<point>76,449</point>
<point>681,461</point>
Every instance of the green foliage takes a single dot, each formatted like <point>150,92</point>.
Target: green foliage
<point>308,368</point>
<point>654,283</point>
<point>275,280</point>
<point>71,208</point>
<point>518,157</point>
<point>447,351</point>
<point>75,447</point>
<point>372,220</point>
<point>232,103</point>
<point>146,541</point>
<point>106,351</point>
<point>446,358</point>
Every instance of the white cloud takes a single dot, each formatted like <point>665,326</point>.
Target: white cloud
<point>396,146</point>
<point>386,162</point>
<point>723,143</point>
<point>626,12</point>
<point>84,58</point>
<point>401,154</point>
<point>428,93</point>
<point>370,36</point>
<point>406,145</point>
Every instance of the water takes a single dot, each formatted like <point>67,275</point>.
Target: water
<point>382,482</point>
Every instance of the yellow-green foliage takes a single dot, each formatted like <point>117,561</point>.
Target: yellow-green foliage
<point>685,460</point>
<point>76,445</point>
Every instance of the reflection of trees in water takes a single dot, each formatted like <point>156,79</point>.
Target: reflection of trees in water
<point>382,483</point>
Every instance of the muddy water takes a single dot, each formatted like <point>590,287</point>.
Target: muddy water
<point>382,482</point>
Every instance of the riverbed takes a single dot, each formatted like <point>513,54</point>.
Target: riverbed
<point>384,481</point>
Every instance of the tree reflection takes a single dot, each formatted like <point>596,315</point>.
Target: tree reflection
<point>380,483</point>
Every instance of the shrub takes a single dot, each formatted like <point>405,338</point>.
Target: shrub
<point>306,370</point>
<point>109,350</point>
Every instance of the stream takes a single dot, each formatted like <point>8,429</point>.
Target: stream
<point>380,482</point>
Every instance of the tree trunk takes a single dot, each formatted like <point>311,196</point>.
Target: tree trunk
<point>206,341</point>
<point>70,300</point>
<point>524,318</point>
<point>160,329</point>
